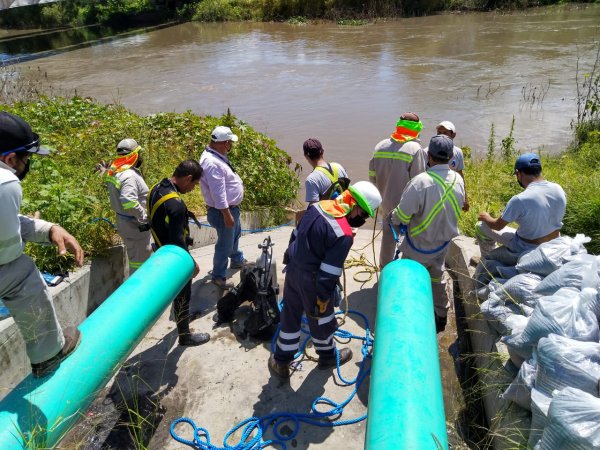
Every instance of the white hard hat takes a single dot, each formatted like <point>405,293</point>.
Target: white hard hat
<point>366,195</point>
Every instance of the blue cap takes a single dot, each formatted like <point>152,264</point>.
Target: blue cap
<point>441,147</point>
<point>528,160</point>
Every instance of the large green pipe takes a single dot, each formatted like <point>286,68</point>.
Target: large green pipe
<point>406,407</point>
<point>38,412</point>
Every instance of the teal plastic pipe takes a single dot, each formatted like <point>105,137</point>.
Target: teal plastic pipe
<point>406,407</point>
<point>38,412</point>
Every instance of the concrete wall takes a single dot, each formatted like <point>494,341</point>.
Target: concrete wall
<point>508,423</point>
<point>83,291</point>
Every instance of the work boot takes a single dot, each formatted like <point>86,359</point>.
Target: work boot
<point>327,362</point>
<point>440,323</point>
<point>222,283</point>
<point>72,340</point>
<point>238,264</point>
<point>193,339</point>
<point>279,369</point>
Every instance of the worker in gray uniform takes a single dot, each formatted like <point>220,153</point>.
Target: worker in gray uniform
<point>22,288</point>
<point>127,192</point>
<point>395,162</point>
<point>428,211</point>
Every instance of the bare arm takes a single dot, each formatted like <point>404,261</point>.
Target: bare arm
<point>494,224</point>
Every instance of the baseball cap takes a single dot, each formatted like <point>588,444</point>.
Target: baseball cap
<point>441,147</point>
<point>528,160</point>
<point>126,146</point>
<point>17,136</point>
<point>222,134</point>
<point>447,125</point>
<point>312,147</point>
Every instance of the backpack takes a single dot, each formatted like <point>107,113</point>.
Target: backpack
<point>338,184</point>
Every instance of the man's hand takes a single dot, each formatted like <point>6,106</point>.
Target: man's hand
<point>228,218</point>
<point>66,242</point>
<point>196,269</point>
<point>465,207</point>
<point>102,167</point>
<point>485,217</point>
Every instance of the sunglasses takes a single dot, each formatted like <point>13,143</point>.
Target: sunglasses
<point>34,147</point>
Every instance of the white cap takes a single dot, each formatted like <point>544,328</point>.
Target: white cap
<point>447,125</point>
<point>126,146</point>
<point>366,195</point>
<point>223,134</point>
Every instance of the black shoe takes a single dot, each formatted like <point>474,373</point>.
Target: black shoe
<point>440,323</point>
<point>193,339</point>
<point>281,370</point>
<point>327,362</point>
<point>72,340</point>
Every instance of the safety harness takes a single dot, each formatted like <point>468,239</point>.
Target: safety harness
<point>152,208</point>
<point>447,196</point>
<point>338,184</point>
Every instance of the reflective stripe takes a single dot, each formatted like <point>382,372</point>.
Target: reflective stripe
<point>129,205</point>
<point>333,270</point>
<point>401,215</point>
<point>371,173</point>
<point>324,347</point>
<point>447,195</point>
<point>289,336</point>
<point>327,319</point>
<point>112,180</point>
<point>393,155</point>
<point>319,341</point>
<point>134,264</point>
<point>436,280</point>
<point>288,347</point>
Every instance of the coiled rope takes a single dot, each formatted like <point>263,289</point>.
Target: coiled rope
<point>322,411</point>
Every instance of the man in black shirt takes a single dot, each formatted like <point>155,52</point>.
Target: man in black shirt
<point>169,225</point>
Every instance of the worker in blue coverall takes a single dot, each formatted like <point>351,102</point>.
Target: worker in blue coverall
<point>315,260</point>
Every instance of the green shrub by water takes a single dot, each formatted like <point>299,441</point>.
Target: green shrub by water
<point>65,188</point>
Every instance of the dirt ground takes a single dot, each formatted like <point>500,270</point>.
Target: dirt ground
<point>226,381</point>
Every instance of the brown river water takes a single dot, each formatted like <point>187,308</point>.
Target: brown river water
<point>347,85</point>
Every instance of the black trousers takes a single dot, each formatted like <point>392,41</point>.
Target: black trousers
<point>181,308</point>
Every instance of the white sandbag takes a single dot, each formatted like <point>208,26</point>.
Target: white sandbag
<point>519,350</point>
<point>521,289</point>
<point>570,275</point>
<point>486,271</point>
<point>565,313</point>
<point>566,362</point>
<point>519,391</point>
<point>573,422</point>
<point>540,403</point>
<point>496,311</point>
<point>549,256</point>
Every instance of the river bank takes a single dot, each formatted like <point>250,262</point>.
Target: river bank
<point>125,13</point>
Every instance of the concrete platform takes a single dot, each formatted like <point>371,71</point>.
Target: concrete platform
<point>226,381</point>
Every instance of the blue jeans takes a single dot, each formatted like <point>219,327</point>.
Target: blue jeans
<point>227,240</point>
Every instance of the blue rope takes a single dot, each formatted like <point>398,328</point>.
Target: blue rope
<point>404,232</point>
<point>98,219</point>
<point>322,408</point>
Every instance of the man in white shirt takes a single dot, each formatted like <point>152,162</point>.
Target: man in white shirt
<point>22,288</point>
<point>538,211</point>
<point>223,191</point>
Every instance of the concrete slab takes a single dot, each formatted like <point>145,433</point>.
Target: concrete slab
<point>226,381</point>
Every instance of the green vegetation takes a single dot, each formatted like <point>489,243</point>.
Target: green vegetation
<point>127,12</point>
<point>65,188</point>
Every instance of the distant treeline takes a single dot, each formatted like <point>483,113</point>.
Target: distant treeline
<point>137,12</point>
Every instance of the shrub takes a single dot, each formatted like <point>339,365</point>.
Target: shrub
<point>66,190</point>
